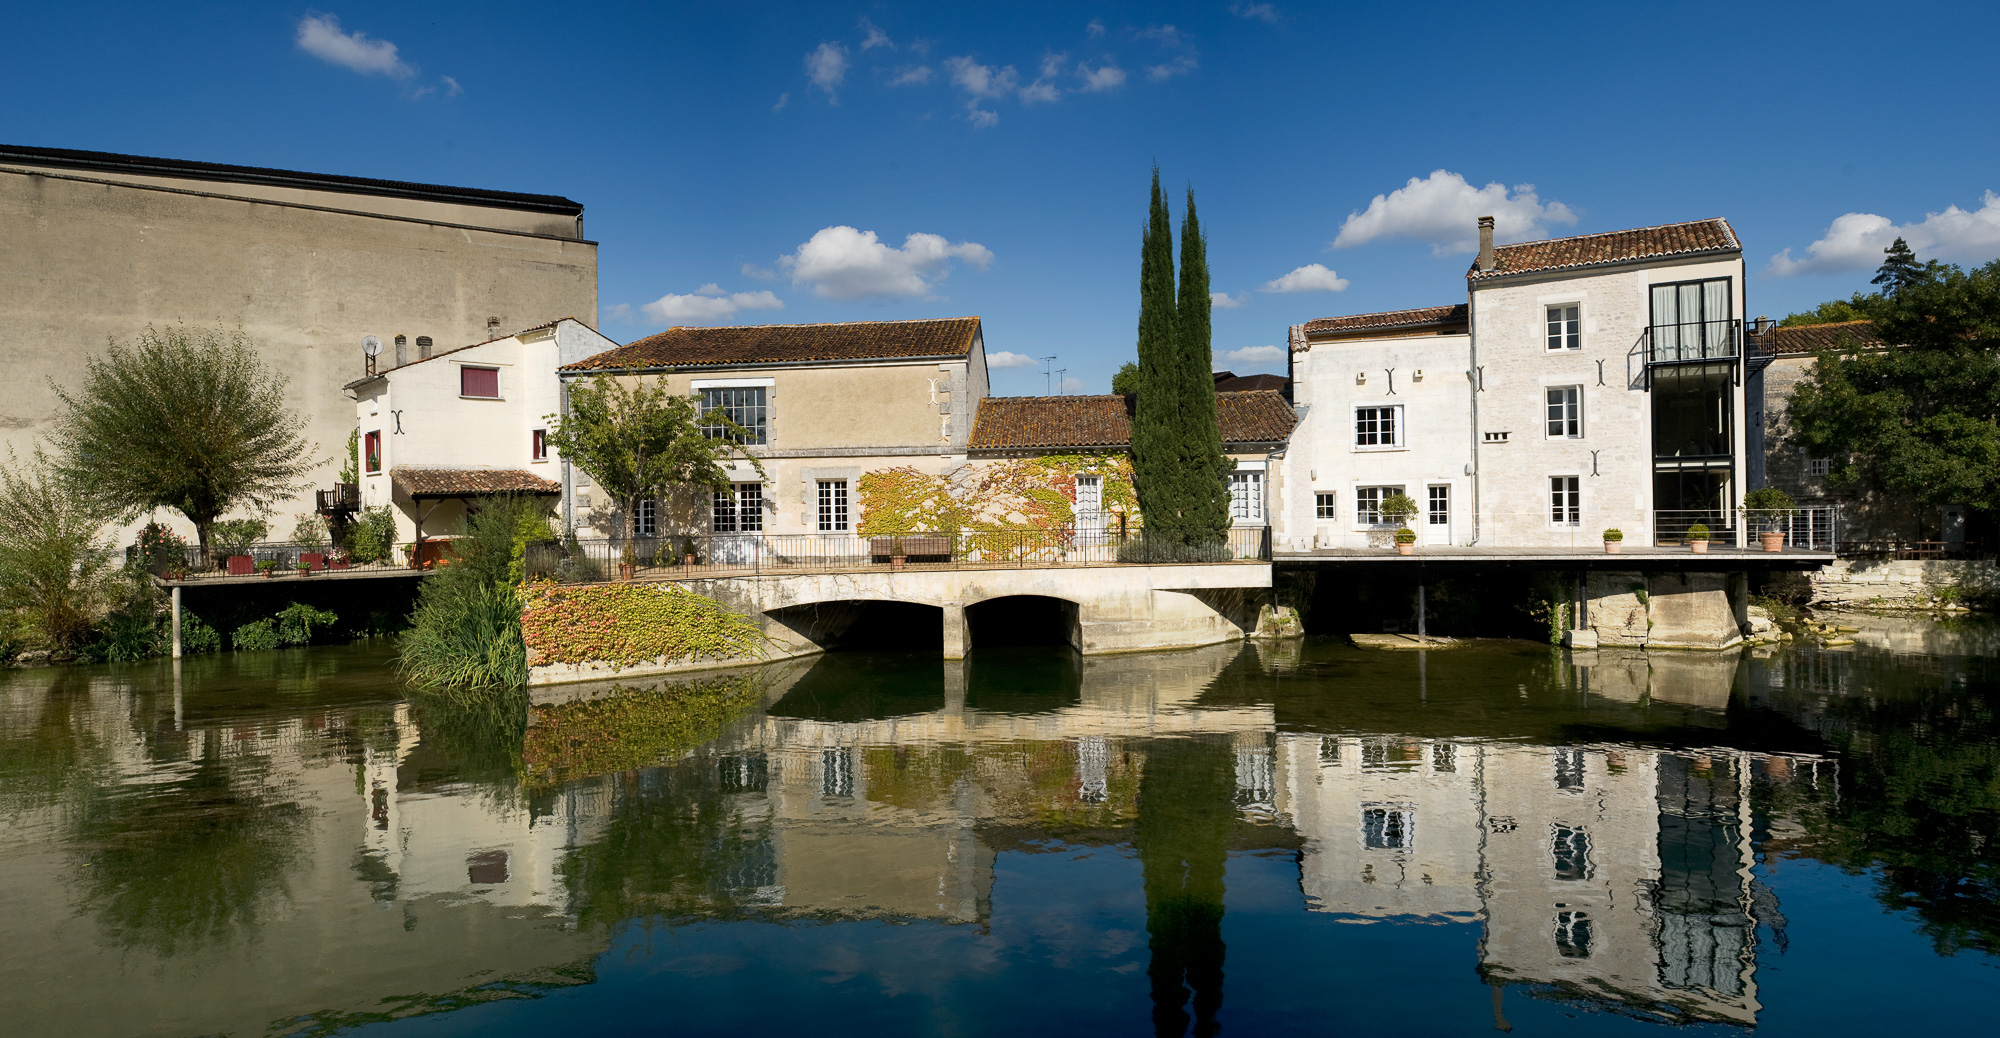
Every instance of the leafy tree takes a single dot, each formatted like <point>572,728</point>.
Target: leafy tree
<point>182,419</point>
<point>639,441</point>
<point>1861,307</point>
<point>1899,269</point>
<point>1126,381</point>
<point>350,469</point>
<point>1155,450</point>
<point>54,564</point>
<point>1922,418</point>
<point>1203,465</point>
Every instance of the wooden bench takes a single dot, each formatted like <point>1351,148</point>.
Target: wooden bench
<point>911,546</point>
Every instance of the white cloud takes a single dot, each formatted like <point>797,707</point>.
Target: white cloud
<point>451,87</point>
<point>1262,12</point>
<point>1444,210</point>
<point>1095,30</point>
<point>844,263</point>
<point>980,118</point>
<point>1254,356</point>
<point>1224,301</point>
<point>826,67</point>
<point>1313,277</point>
<point>1067,386</point>
<point>320,36</point>
<point>1164,35</point>
<point>1006,359</point>
<point>1180,66</point>
<point>754,271</point>
<point>1042,89</point>
<point>783,100</point>
<point>982,80</point>
<point>876,37</point>
<point>915,76</point>
<point>1103,77</point>
<point>708,303</point>
<point>1854,241</point>
<point>621,313</point>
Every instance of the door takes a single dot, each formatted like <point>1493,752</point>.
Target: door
<point>1437,514</point>
<point>1090,523</point>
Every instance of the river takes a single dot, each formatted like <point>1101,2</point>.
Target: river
<point>1295,837</point>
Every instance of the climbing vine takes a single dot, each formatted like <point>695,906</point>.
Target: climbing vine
<point>629,623</point>
<point>999,497</point>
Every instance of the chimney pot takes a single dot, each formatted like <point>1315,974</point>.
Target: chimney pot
<point>1486,260</point>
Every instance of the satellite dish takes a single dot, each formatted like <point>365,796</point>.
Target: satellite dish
<point>371,345</point>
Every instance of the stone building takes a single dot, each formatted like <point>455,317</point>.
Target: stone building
<point>101,245</point>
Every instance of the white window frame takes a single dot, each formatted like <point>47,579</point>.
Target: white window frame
<point>1246,496</point>
<point>1562,412</point>
<point>1433,514</point>
<point>1368,502</point>
<point>1326,506</point>
<point>833,513</point>
<point>1562,327</point>
<point>1399,428</point>
<point>1819,466</point>
<point>1093,501</point>
<point>1565,514</point>
<point>646,519</point>
<point>740,509</point>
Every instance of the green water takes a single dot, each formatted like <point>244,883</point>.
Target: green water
<point>1254,839</point>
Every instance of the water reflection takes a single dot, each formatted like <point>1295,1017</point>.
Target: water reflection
<point>293,846</point>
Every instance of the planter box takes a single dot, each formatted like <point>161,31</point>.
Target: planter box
<point>339,564</point>
<point>313,560</point>
<point>242,565</point>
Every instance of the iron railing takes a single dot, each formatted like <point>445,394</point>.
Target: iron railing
<point>285,557</point>
<point>670,557</point>
<point>344,497</point>
<point>1692,342</point>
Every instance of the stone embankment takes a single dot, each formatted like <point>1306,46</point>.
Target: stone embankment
<point>1905,583</point>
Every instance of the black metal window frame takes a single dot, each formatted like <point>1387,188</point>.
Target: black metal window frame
<point>747,406</point>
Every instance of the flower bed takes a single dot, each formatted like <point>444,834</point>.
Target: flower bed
<point>626,624</point>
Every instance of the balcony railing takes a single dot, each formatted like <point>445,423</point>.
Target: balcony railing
<point>669,557</point>
<point>285,557</point>
<point>344,497</point>
<point>1691,342</point>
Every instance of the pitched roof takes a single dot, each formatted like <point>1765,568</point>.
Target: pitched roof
<point>1812,338</point>
<point>789,343</point>
<point>392,369</point>
<point>1388,320</point>
<point>186,169</point>
<point>1033,422</point>
<point>1590,250</point>
<point>1230,382</point>
<point>429,482</point>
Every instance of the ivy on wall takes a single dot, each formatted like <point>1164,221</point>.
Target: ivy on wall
<point>632,728</point>
<point>629,623</point>
<point>1014,494</point>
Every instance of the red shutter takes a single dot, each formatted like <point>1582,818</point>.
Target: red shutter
<point>479,382</point>
<point>541,445</point>
<point>373,452</point>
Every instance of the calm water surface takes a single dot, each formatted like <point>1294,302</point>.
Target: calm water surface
<point>1308,838</point>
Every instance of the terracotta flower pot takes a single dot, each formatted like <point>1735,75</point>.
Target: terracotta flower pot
<point>1772,540</point>
<point>896,561</point>
<point>1405,549</point>
<point>1613,547</point>
<point>1698,547</point>
<point>687,560</point>
<point>627,569</point>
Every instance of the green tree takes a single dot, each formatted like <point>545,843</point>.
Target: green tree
<point>1155,447</point>
<point>1899,269</point>
<point>55,565</point>
<point>1126,381</point>
<point>639,441</point>
<point>184,419</point>
<point>1920,419</point>
<point>1186,809</point>
<point>1203,465</point>
<point>1861,307</point>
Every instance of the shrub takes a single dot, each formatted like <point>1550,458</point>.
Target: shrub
<point>1163,550</point>
<point>468,639</point>
<point>160,549</point>
<point>1768,505</point>
<point>54,566</point>
<point>235,536</point>
<point>309,530</point>
<point>254,636</point>
<point>374,535</point>
<point>296,622</point>
<point>1398,508</point>
<point>1698,532</point>
<point>1614,534</point>
<point>1406,535</point>
<point>197,636</point>
<point>629,623</point>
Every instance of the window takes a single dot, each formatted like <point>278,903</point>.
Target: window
<point>646,521</point>
<point>1565,411</point>
<point>1386,828</point>
<point>1378,426</point>
<point>1571,852</point>
<point>1089,494</point>
<point>1440,506</point>
<point>1565,501</point>
<point>1564,331</point>
<point>743,405</point>
<point>479,382</point>
<point>832,505</point>
<point>1569,769</point>
<point>1691,320</point>
<point>836,772</point>
<point>539,445</point>
<point>1323,507</point>
<point>371,451</point>
<point>1246,497</point>
<point>1499,437</point>
<point>740,509</point>
<point>1819,466</point>
<point>1444,757</point>
<point>1368,504</point>
<point>1573,935</point>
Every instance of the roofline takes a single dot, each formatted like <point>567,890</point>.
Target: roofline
<point>1127,445</point>
<point>1306,327</point>
<point>384,372</point>
<point>1475,274</point>
<point>189,169</point>
<point>571,371</point>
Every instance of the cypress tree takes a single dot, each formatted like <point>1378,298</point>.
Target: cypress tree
<point>1205,515</point>
<point>1155,445</point>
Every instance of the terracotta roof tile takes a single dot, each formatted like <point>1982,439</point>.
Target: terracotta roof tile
<point>1234,383</point>
<point>428,482</point>
<point>1038,422</point>
<point>1589,250</point>
<point>1812,338</point>
<point>1455,314</point>
<point>781,343</point>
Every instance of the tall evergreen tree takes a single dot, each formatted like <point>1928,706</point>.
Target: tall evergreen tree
<point>1203,465</point>
<point>1155,446</point>
<point>1899,269</point>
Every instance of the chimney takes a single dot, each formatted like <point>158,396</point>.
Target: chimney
<point>423,347</point>
<point>402,350</point>
<point>492,327</point>
<point>1763,324</point>
<point>1485,243</point>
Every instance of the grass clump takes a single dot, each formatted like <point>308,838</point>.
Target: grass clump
<point>466,631</point>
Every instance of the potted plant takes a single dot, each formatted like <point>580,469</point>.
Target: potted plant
<point>898,555</point>
<point>1767,506</point>
<point>1613,538</point>
<point>687,551</point>
<point>305,568</point>
<point>268,567</point>
<point>628,561</point>
<point>1697,538</point>
<point>1400,509</point>
<point>1406,541</point>
<point>339,558</point>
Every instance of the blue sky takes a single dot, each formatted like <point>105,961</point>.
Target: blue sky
<point>770,163</point>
